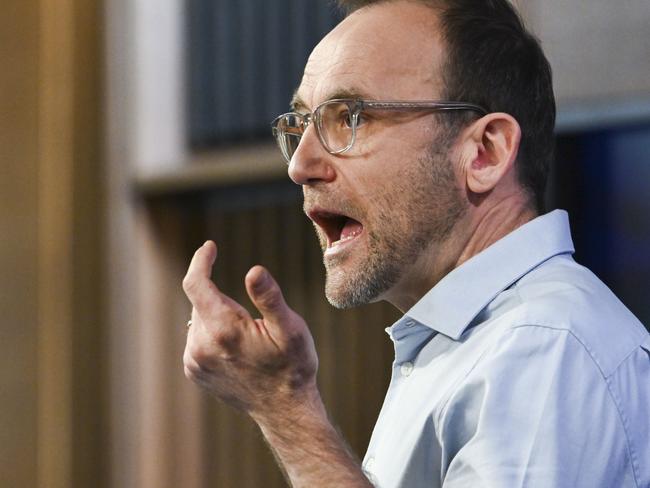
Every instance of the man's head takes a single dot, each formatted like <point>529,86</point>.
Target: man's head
<point>390,211</point>
<point>491,60</point>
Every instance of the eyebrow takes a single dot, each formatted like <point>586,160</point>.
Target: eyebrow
<point>298,103</point>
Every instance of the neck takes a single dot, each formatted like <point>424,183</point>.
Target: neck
<point>477,230</point>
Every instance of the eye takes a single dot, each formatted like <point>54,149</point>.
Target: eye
<point>346,117</point>
<point>362,118</point>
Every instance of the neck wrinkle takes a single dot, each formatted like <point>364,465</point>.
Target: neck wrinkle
<point>500,220</point>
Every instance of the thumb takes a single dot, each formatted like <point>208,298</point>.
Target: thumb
<point>266,295</point>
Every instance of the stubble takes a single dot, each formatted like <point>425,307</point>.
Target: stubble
<point>411,216</point>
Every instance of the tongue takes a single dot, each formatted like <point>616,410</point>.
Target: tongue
<point>351,228</point>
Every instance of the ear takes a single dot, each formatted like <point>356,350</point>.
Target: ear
<point>492,144</point>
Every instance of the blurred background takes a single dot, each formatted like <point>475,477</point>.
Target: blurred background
<point>133,130</point>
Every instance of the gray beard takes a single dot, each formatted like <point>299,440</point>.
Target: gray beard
<point>418,214</point>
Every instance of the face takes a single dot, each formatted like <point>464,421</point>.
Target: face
<point>383,209</point>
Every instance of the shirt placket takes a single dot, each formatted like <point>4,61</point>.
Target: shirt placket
<point>408,336</point>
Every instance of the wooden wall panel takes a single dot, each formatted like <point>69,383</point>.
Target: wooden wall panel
<point>18,241</point>
<point>89,376</point>
<point>71,355</point>
<point>51,382</point>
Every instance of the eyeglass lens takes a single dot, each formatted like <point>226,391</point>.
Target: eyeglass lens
<point>288,131</point>
<point>334,126</point>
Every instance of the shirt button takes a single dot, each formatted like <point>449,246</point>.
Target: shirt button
<point>406,368</point>
<point>409,323</point>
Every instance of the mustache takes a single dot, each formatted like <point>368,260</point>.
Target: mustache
<point>333,201</point>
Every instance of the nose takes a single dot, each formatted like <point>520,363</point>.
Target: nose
<point>311,163</point>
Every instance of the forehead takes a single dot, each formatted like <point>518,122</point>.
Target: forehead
<point>392,50</point>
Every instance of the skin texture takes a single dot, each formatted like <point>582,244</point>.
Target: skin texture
<point>427,203</point>
<point>407,217</point>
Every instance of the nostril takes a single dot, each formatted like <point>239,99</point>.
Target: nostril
<point>309,166</point>
<point>296,172</point>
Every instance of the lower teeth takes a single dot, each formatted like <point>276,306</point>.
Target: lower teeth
<point>347,238</point>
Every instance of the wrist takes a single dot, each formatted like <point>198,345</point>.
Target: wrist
<point>301,407</point>
<point>310,450</point>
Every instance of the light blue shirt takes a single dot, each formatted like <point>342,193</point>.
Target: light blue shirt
<point>519,368</point>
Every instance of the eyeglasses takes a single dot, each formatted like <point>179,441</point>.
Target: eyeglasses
<point>336,121</point>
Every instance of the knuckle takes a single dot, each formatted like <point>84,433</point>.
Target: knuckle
<point>192,369</point>
<point>187,357</point>
<point>191,373</point>
<point>226,338</point>
<point>189,284</point>
<point>206,355</point>
<point>198,357</point>
<point>197,375</point>
<point>240,316</point>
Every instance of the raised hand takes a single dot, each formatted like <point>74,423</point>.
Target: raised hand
<point>252,364</point>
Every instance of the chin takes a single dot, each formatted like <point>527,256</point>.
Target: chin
<point>337,288</point>
<point>342,300</point>
<point>356,287</point>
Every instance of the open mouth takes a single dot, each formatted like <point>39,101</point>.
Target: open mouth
<point>338,228</point>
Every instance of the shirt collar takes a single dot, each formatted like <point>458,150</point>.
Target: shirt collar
<point>451,305</point>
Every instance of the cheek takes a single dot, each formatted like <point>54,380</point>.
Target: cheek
<point>383,180</point>
<point>385,205</point>
<point>380,173</point>
<point>381,189</point>
<point>393,142</point>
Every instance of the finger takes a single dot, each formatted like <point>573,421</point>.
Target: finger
<point>211,308</point>
<point>203,260</point>
<point>266,295</point>
<point>198,286</point>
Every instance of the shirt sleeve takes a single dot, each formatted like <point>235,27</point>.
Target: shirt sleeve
<point>535,411</point>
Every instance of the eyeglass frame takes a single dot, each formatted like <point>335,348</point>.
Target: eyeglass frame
<point>356,106</point>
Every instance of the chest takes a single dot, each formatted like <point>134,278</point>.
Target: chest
<point>407,447</point>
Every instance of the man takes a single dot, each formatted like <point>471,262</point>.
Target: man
<point>421,134</point>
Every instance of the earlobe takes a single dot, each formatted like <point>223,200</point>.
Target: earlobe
<point>495,139</point>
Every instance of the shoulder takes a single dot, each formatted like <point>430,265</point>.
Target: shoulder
<point>556,354</point>
<point>563,296</point>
